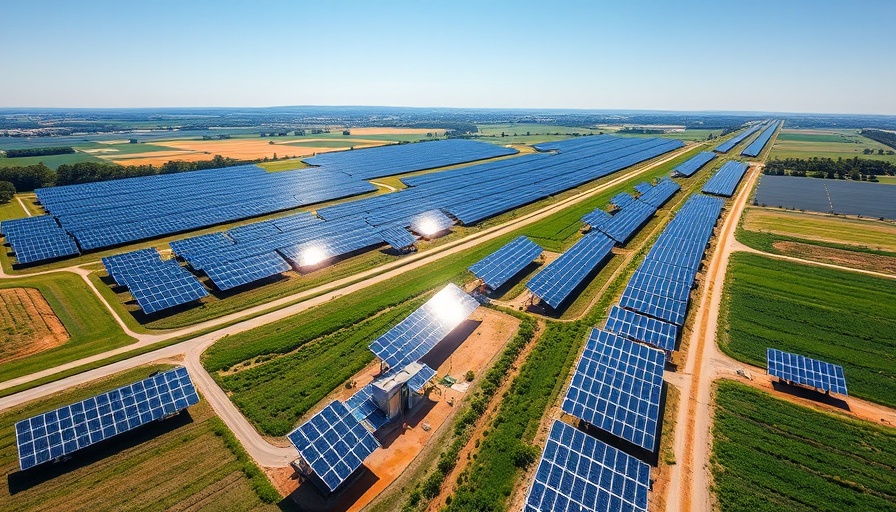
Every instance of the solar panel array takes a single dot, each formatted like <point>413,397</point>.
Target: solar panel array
<point>757,145</point>
<point>154,283</point>
<point>333,443</point>
<point>39,238</point>
<point>734,141</point>
<point>660,286</point>
<point>402,158</point>
<point>430,222</point>
<point>500,266</point>
<point>110,213</point>
<point>617,386</point>
<point>726,179</point>
<point>364,409</point>
<point>642,328</point>
<point>423,329</point>
<point>577,473</point>
<point>690,167</point>
<point>230,274</point>
<point>63,431</point>
<point>397,237</point>
<point>556,282</point>
<point>419,380</point>
<point>806,371</point>
<point>632,213</point>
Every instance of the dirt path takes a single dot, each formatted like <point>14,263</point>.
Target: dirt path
<point>738,246</point>
<point>24,208</point>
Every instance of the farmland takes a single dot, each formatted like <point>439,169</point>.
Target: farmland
<point>865,233</point>
<point>828,144</point>
<point>832,315</point>
<point>91,330</point>
<point>189,461</point>
<point>771,455</point>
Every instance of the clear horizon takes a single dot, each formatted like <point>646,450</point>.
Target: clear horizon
<point>792,57</point>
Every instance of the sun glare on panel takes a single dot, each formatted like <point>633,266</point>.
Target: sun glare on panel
<point>428,227</point>
<point>312,256</point>
<point>447,308</point>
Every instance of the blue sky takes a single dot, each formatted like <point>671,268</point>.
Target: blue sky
<point>791,56</point>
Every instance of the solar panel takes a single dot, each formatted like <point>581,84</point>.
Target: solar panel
<point>734,141</point>
<point>554,283</point>
<point>500,266</point>
<point>397,237</point>
<point>364,409</point>
<point>725,180</point>
<point>430,223</point>
<point>806,371</point>
<point>597,218</point>
<point>333,443</point>
<point>616,387</point>
<point>622,199</point>
<point>423,329</point>
<point>230,274</point>
<point>419,380</point>
<point>65,430</point>
<point>155,296</point>
<point>658,194</point>
<point>658,306</point>
<point>757,145</point>
<point>624,223</point>
<point>577,472</point>
<point>690,167</point>
<point>643,187</point>
<point>642,328</point>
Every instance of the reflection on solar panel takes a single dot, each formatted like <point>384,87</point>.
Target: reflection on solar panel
<point>58,433</point>
<point>333,443</point>
<point>364,409</point>
<point>430,223</point>
<point>806,371</point>
<point>726,179</point>
<point>397,237</point>
<point>230,274</point>
<point>554,283</point>
<point>421,378</point>
<point>577,472</point>
<point>693,165</point>
<point>616,387</point>
<point>500,266</point>
<point>423,329</point>
<point>642,328</point>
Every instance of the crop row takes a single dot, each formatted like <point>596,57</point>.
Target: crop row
<point>771,455</point>
<point>836,316</point>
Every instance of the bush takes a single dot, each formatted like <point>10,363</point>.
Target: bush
<point>469,376</point>
<point>524,455</point>
<point>7,191</point>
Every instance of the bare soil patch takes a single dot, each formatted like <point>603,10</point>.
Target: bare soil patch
<point>395,131</point>
<point>853,259</point>
<point>27,324</point>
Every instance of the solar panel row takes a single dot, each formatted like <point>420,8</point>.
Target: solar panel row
<point>690,167</point>
<point>631,213</point>
<point>39,238</point>
<point>577,473</point>
<point>660,287</point>
<point>333,443</point>
<point>230,274</point>
<point>60,432</point>
<point>423,329</point>
<point>154,283</point>
<point>757,145</point>
<point>556,282</point>
<point>642,328</point>
<point>397,237</point>
<point>726,179</point>
<point>500,266</point>
<point>806,371</point>
<point>734,141</point>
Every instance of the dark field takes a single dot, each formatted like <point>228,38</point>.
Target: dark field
<point>827,196</point>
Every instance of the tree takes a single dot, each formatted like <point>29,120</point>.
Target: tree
<point>7,191</point>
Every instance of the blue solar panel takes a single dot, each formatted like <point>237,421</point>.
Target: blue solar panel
<point>39,238</point>
<point>597,219</point>
<point>556,282</point>
<point>230,274</point>
<point>658,306</point>
<point>642,328</point>
<point>365,410</point>
<point>577,472</point>
<point>500,266</point>
<point>806,371</point>
<point>423,329</point>
<point>624,223</point>
<point>155,296</point>
<point>622,199</point>
<point>154,283</point>
<point>333,443</point>
<point>419,380</point>
<point>693,165</point>
<point>616,387</point>
<point>757,145</point>
<point>65,430</point>
<point>397,237</point>
<point>726,179</point>
<point>737,139</point>
<point>658,194</point>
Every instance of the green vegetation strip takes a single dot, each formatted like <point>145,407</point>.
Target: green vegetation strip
<point>771,455</point>
<point>90,327</point>
<point>189,461</point>
<point>836,316</point>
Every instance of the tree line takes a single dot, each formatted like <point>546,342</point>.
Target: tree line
<point>853,168</point>
<point>885,138</point>
<point>26,178</point>
<point>18,153</point>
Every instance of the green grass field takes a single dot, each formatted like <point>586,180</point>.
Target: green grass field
<point>11,210</point>
<point>52,161</point>
<point>90,327</point>
<point>869,233</point>
<point>837,316</point>
<point>827,144</point>
<point>189,462</point>
<point>771,455</point>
